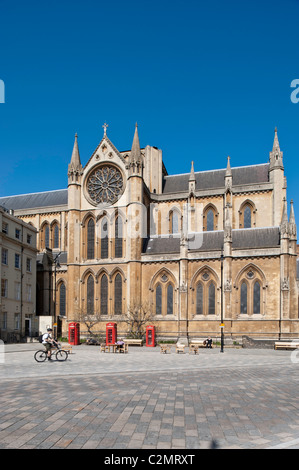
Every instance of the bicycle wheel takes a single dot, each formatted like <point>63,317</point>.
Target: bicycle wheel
<point>40,356</point>
<point>61,355</point>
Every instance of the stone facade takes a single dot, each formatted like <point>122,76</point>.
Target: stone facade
<point>199,247</point>
<point>18,278</point>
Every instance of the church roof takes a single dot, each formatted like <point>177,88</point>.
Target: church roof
<point>213,179</point>
<point>268,237</point>
<point>35,200</point>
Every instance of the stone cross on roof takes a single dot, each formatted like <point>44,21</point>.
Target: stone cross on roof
<point>105,128</point>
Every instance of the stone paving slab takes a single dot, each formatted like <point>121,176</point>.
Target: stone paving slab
<point>241,399</point>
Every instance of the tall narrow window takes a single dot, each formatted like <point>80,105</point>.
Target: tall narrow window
<point>118,238</point>
<point>256,297</point>
<point>211,309</point>
<point>90,239</point>
<point>169,300</point>
<point>104,238</point>
<point>62,300</point>
<point>158,300</point>
<point>199,299</point>
<point>243,298</point>
<point>174,222</point>
<point>210,220</point>
<point>47,236</point>
<point>56,236</point>
<point>90,295</point>
<point>118,295</point>
<point>247,217</point>
<point>104,295</point>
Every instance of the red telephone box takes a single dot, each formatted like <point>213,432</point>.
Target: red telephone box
<point>74,333</point>
<point>150,336</point>
<point>111,333</point>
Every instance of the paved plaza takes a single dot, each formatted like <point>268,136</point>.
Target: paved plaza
<point>239,399</point>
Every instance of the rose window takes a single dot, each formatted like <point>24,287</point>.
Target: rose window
<point>105,185</point>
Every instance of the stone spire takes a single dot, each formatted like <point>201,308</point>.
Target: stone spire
<point>192,180</point>
<point>276,154</point>
<point>135,163</point>
<point>284,226</point>
<point>292,223</point>
<point>75,167</point>
<point>135,155</point>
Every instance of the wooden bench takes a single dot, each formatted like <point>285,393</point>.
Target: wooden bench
<point>200,343</point>
<point>165,348</point>
<point>67,348</point>
<point>193,348</point>
<point>286,344</point>
<point>124,348</point>
<point>133,342</point>
<point>180,348</point>
<point>104,348</point>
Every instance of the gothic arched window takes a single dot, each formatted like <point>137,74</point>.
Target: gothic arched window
<point>243,297</point>
<point>170,300</point>
<point>210,220</point>
<point>199,299</point>
<point>47,236</point>
<point>211,308</point>
<point>247,217</point>
<point>90,239</point>
<point>104,238</point>
<point>62,300</point>
<point>118,237</point>
<point>90,295</point>
<point>104,295</point>
<point>118,295</point>
<point>158,300</point>
<point>55,236</point>
<point>256,297</point>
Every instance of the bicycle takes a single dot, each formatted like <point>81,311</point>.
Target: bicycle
<point>42,355</point>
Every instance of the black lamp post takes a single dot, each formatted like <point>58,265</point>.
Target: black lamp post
<point>222,325</point>
<point>56,265</point>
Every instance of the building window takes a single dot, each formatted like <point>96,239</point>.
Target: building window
<point>4,321</point>
<point>17,290</point>
<point>29,239</point>
<point>118,295</point>
<point>62,300</point>
<point>18,234</point>
<point>244,297</point>
<point>56,236</point>
<point>158,300</point>
<point>90,239</point>
<point>247,217</point>
<point>28,265</point>
<point>17,321</point>
<point>256,297</point>
<point>212,299</point>
<point>104,295</point>
<point>199,299</point>
<point>104,238</point>
<point>17,261</point>
<point>4,256</point>
<point>29,293</point>
<point>174,225</point>
<point>210,220</point>
<point>47,236</point>
<point>5,228</point>
<point>118,238</point>
<point>4,287</point>
<point>170,300</point>
<point>90,295</point>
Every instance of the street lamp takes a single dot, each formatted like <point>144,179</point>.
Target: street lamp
<point>56,265</point>
<point>222,325</point>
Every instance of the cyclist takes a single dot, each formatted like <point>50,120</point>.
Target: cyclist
<point>48,342</point>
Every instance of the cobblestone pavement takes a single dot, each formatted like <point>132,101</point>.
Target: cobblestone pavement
<point>241,399</point>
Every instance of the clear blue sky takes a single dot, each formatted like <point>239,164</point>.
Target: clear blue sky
<point>203,80</point>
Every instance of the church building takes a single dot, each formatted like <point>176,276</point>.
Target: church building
<point>202,248</point>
